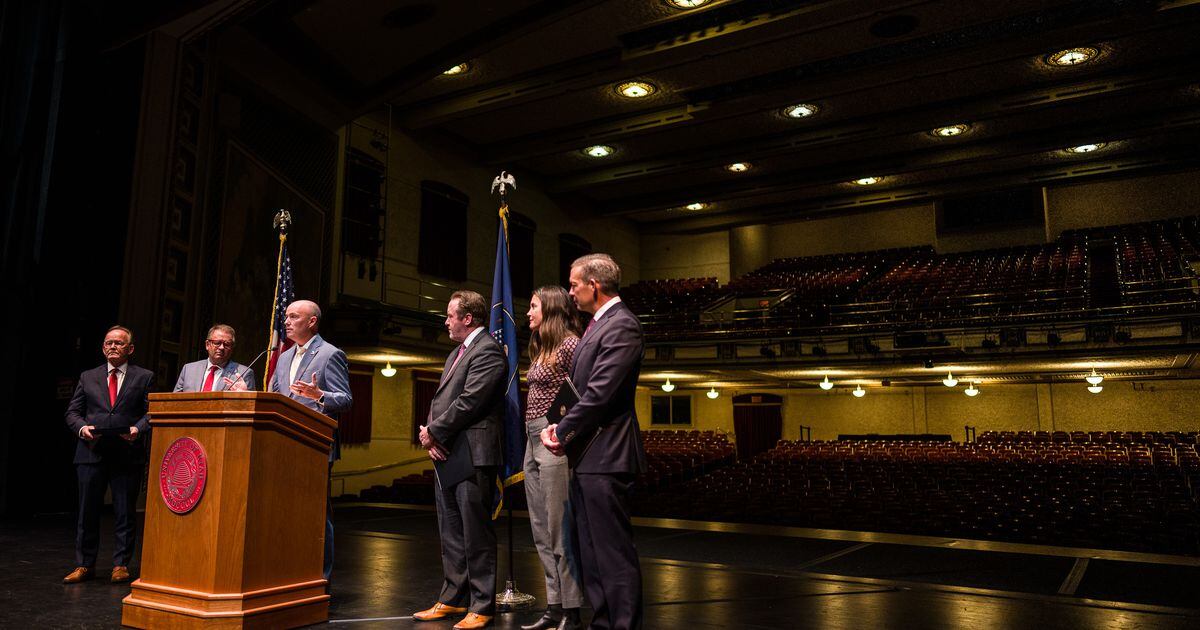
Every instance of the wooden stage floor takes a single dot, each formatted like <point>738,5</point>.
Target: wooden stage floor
<point>697,576</point>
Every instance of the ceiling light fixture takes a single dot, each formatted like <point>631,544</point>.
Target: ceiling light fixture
<point>825,384</point>
<point>800,110</point>
<point>668,386</point>
<point>388,371</point>
<point>687,4</point>
<point>1094,378</point>
<point>1085,148</point>
<point>868,181</point>
<point>598,150</point>
<point>1072,56</point>
<point>696,206</point>
<point>739,167</point>
<point>1095,389</point>
<point>459,69</point>
<point>950,131</point>
<point>949,381</point>
<point>971,390</point>
<point>636,89</point>
<point>713,393</point>
<point>859,392</point>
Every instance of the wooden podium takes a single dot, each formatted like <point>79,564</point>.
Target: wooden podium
<point>235,514</point>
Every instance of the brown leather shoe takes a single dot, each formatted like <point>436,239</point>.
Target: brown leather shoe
<point>120,574</point>
<point>439,611</point>
<point>78,575</point>
<point>473,621</point>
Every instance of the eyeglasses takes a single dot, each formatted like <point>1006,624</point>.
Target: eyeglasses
<point>220,344</point>
<point>117,343</point>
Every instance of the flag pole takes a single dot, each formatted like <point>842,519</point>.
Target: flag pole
<point>283,220</point>
<point>511,598</point>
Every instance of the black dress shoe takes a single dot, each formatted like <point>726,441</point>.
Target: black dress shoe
<point>570,620</point>
<point>549,621</point>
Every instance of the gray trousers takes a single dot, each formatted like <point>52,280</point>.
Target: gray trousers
<point>547,493</point>
<point>468,542</point>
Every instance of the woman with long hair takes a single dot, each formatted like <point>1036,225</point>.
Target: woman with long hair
<point>553,324</point>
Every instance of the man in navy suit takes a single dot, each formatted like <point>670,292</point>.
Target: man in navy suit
<point>109,415</point>
<point>603,444</point>
<point>315,374</point>
<point>218,373</point>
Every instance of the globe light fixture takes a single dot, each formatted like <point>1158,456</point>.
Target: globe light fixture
<point>949,381</point>
<point>696,206</point>
<point>598,151</point>
<point>801,110</point>
<point>1072,56</point>
<point>859,392</point>
<point>868,181</point>
<point>1085,148</point>
<point>1094,378</point>
<point>668,386</point>
<point>388,371</point>
<point>738,167</point>
<point>1095,389</point>
<point>713,393</point>
<point>971,390</point>
<point>825,384</point>
<point>459,69</point>
<point>949,131</point>
<point>636,89</point>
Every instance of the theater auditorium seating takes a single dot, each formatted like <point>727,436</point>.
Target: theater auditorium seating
<point>1113,494</point>
<point>1154,270</point>
<point>673,456</point>
<point>676,456</point>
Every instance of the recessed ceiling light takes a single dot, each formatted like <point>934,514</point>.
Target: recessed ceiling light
<point>867,181</point>
<point>1072,56</point>
<point>598,150</point>
<point>696,206</point>
<point>636,89</point>
<point>802,110</point>
<point>949,131</point>
<point>687,4</point>
<point>738,167</point>
<point>1085,148</point>
<point>459,69</point>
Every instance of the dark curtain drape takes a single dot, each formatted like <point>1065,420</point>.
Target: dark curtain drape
<point>425,385</point>
<point>32,50</point>
<point>757,427</point>
<point>354,427</point>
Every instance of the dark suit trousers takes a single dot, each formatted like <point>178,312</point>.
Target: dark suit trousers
<point>125,479</point>
<point>468,542</point>
<point>603,541</point>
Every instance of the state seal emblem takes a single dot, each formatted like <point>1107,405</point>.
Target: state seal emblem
<point>182,475</point>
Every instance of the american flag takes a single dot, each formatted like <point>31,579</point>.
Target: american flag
<point>284,296</point>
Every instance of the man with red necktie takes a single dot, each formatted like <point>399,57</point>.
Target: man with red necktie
<point>109,415</point>
<point>217,373</point>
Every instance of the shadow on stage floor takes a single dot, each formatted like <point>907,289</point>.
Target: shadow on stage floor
<point>697,575</point>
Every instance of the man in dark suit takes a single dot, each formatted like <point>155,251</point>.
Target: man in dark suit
<point>463,439</point>
<point>315,374</point>
<point>217,373</point>
<point>109,415</point>
<point>603,444</point>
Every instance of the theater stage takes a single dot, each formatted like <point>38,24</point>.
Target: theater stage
<point>697,575</point>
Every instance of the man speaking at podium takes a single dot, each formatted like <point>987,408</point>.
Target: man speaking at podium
<point>218,373</point>
<point>315,374</point>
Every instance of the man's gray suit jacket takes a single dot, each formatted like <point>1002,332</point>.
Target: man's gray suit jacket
<point>469,402</point>
<point>191,377</point>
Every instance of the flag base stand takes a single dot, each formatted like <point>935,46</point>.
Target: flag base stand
<point>512,599</point>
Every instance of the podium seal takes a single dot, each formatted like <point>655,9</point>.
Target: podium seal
<point>182,475</point>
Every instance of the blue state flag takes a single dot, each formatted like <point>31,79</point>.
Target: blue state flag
<point>503,329</point>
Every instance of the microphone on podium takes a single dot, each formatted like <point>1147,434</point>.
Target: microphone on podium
<point>248,366</point>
